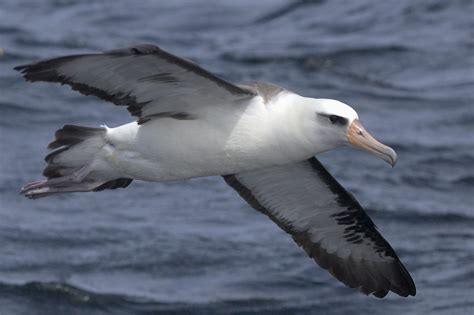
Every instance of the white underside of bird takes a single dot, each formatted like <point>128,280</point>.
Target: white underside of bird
<point>237,138</point>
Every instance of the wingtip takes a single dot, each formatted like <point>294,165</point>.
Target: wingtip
<point>403,292</point>
<point>409,288</point>
<point>25,71</point>
<point>412,290</point>
<point>21,68</point>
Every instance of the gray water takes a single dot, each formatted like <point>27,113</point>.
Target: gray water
<point>406,66</point>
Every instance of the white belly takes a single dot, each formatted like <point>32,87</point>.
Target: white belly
<point>169,149</point>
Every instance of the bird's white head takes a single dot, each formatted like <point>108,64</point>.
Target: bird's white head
<point>332,124</point>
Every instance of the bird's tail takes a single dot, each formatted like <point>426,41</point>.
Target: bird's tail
<point>73,164</point>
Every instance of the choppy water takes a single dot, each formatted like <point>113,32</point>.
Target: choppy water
<point>406,66</point>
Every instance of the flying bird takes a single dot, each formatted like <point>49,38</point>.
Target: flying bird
<point>261,138</point>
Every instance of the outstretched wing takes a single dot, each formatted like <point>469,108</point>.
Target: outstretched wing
<point>307,202</point>
<point>147,79</point>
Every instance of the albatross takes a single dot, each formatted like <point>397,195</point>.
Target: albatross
<point>261,138</point>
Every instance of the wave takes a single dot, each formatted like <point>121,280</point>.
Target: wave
<point>34,41</point>
<point>59,295</point>
<point>415,217</point>
<point>465,181</point>
<point>53,297</point>
<point>8,107</point>
<point>316,58</point>
<point>435,149</point>
<point>10,30</point>
<point>285,10</point>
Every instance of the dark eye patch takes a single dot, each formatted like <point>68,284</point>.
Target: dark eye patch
<point>335,119</point>
<point>338,120</point>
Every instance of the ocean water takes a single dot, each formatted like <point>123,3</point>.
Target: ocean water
<point>406,66</point>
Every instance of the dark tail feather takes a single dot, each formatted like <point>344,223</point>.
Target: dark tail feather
<point>68,138</point>
<point>71,135</point>
<point>70,164</point>
<point>48,187</point>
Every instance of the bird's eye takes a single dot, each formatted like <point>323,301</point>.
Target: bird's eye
<point>334,119</point>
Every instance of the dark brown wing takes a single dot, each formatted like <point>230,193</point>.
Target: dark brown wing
<point>308,203</point>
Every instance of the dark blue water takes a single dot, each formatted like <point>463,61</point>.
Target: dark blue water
<point>406,66</point>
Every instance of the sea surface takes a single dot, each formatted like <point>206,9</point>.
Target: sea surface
<point>407,67</point>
